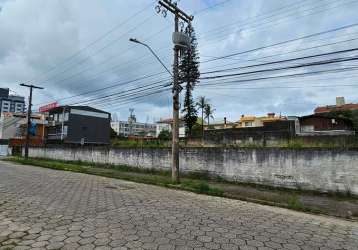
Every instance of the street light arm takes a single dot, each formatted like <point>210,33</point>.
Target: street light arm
<point>150,49</point>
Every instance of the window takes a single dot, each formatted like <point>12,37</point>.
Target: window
<point>19,107</point>
<point>248,124</point>
<point>65,129</point>
<point>66,116</point>
<point>307,128</point>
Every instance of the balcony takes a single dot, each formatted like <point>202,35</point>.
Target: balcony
<point>56,136</point>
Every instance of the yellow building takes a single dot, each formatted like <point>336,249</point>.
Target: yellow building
<point>253,121</point>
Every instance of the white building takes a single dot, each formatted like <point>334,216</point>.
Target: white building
<point>11,103</point>
<point>166,124</point>
<point>127,128</point>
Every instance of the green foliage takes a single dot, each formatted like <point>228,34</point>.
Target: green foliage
<point>294,202</point>
<point>113,133</point>
<point>295,145</point>
<point>164,135</point>
<point>201,187</point>
<point>189,74</point>
<point>208,112</point>
<point>196,130</point>
<point>190,112</point>
<point>201,103</point>
<point>125,142</point>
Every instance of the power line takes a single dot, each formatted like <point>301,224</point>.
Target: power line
<point>284,87</point>
<point>283,42</point>
<point>271,22</point>
<point>282,61</point>
<point>240,80</point>
<point>113,85</point>
<point>289,52</point>
<point>317,63</point>
<point>98,51</point>
<point>98,39</point>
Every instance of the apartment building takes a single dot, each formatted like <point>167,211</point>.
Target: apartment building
<point>11,103</point>
<point>134,128</point>
<point>78,125</point>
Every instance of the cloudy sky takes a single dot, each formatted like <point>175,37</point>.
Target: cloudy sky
<point>78,50</point>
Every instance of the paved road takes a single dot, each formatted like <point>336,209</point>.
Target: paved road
<point>47,209</point>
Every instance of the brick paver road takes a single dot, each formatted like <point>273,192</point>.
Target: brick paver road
<point>47,209</point>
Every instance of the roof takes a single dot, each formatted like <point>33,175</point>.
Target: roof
<point>325,116</point>
<point>220,121</point>
<point>87,108</point>
<point>248,118</point>
<point>329,108</point>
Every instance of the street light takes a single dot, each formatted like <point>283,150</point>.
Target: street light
<point>146,45</point>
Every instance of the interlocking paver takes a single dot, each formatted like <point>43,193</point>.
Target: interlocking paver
<point>47,209</point>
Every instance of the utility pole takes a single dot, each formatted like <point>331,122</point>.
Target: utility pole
<point>27,142</point>
<point>178,15</point>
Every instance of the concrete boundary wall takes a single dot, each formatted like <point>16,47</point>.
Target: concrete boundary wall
<point>326,170</point>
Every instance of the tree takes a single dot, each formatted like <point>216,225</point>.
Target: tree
<point>201,103</point>
<point>164,135</point>
<point>189,74</point>
<point>113,133</point>
<point>209,111</point>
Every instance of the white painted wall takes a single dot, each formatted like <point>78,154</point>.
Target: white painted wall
<point>309,169</point>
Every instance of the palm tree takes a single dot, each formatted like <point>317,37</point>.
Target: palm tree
<point>209,111</point>
<point>202,102</point>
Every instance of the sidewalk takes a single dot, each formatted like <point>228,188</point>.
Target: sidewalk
<point>329,204</point>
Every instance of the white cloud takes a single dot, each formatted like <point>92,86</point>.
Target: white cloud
<point>37,35</point>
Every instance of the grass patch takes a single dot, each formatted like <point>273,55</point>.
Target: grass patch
<point>201,187</point>
<point>126,143</point>
<point>294,203</point>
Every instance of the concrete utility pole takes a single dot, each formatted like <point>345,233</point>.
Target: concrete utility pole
<point>178,14</point>
<point>29,118</point>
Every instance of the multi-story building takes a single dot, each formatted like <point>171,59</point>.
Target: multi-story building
<point>11,103</point>
<point>133,128</point>
<point>79,125</point>
<point>166,124</point>
<point>253,121</point>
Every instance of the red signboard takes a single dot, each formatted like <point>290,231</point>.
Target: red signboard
<point>48,107</point>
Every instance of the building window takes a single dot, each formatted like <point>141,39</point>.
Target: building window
<point>307,128</point>
<point>65,129</point>
<point>248,124</point>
